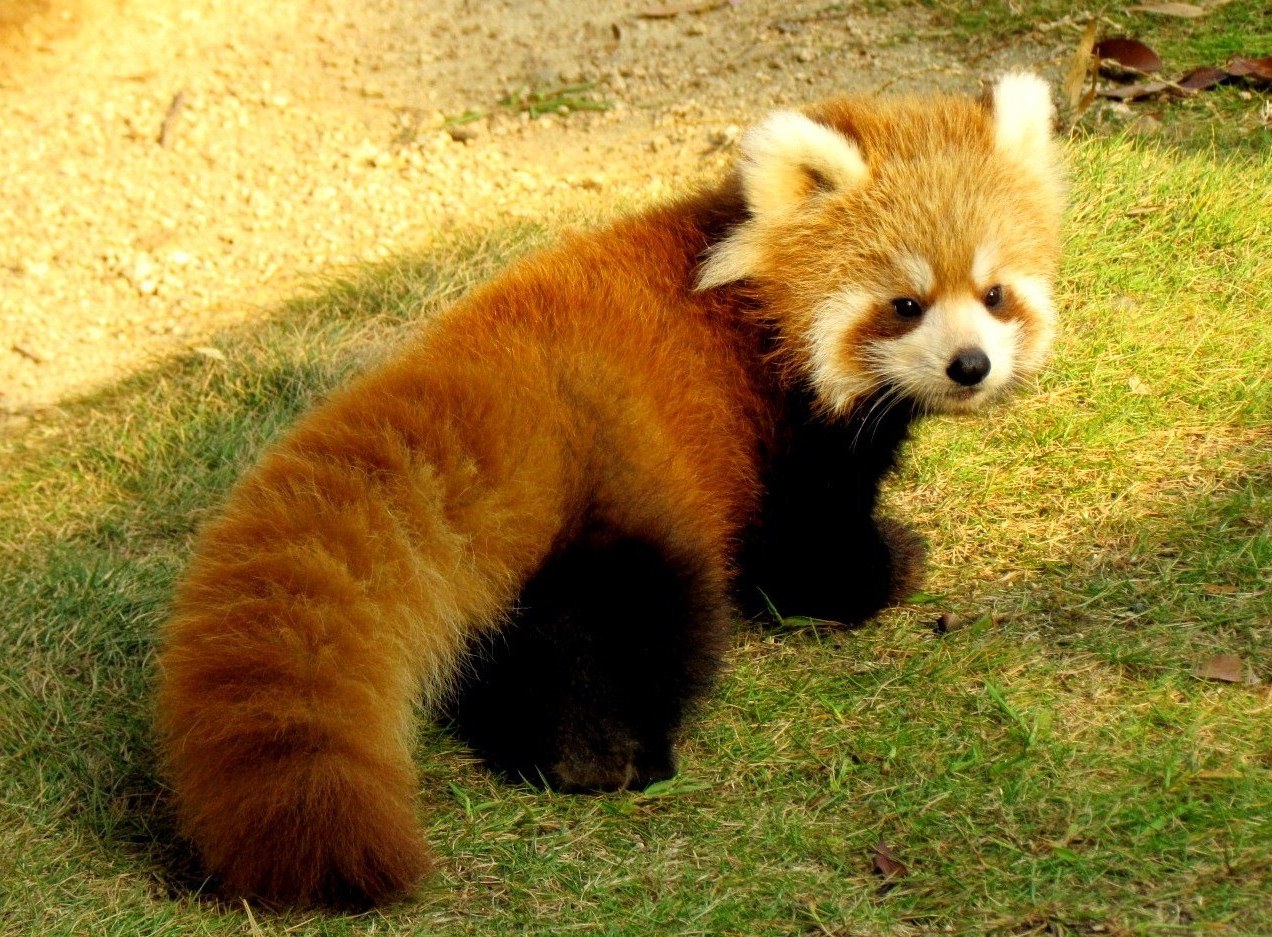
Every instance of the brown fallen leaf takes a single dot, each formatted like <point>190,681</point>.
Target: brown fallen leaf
<point>886,864</point>
<point>1079,68</point>
<point>1186,10</point>
<point>1218,588</point>
<point>1199,79</point>
<point>1225,668</point>
<point>170,119</point>
<point>1129,55</point>
<point>1251,68</point>
<point>1145,89</point>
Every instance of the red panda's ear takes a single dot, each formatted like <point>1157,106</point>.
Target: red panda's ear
<point>789,157</point>
<point>786,160</point>
<point>1023,117</point>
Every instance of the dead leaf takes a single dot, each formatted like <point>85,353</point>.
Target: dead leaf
<point>1145,89</point>
<point>1186,10</point>
<point>170,119</point>
<point>1225,668</point>
<point>251,920</point>
<point>1251,68</point>
<point>1218,588</point>
<point>1130,55</point>
<point>208,351</point>
<point>1138,386</point>
<point>1079,67</point>
<point>947,622</point>
<point>30,352</point>
<point>886,864</point>
<point>1199,79</point>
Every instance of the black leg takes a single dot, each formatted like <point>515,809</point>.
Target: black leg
<point>817,547</point>
<point>846,573</point>
<point>587,686</point>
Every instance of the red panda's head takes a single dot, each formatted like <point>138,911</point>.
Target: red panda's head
<point>904,248</point>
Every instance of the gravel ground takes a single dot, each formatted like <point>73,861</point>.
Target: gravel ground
<point>168,168</point>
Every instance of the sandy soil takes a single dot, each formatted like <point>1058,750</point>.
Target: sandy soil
<point>170,167</point>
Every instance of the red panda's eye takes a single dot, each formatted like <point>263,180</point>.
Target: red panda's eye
<point>993,297</point>
<point>906,307</point>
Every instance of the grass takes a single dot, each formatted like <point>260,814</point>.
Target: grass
<point>563,99</point>
<point>1053,766</point>
<point>535,102</point>
<point>1224,117</point>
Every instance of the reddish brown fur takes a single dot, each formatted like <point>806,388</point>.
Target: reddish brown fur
<point>347,572</point>
<point>589,384</point>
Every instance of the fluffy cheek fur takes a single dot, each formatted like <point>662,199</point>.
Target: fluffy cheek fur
<point>838,376</point>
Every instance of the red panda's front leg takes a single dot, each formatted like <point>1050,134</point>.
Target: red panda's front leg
<point>819,547</point>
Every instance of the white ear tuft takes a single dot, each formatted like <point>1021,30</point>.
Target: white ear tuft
<point>735,258</point>
<point>788,157</point>
<point>1023,114</point>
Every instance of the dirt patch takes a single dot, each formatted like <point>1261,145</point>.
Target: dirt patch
<point>169,168</point>
<point>26,22</point>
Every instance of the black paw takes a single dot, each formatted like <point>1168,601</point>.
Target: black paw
<point>620,764</point>
<point>849,578</point>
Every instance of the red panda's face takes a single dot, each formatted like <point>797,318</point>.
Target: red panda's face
<point>905,250</point>
<point>950,308</point>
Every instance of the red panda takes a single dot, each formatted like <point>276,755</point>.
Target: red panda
<point>540,516</point>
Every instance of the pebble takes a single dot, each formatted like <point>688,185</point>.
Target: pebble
<point>463,133</point>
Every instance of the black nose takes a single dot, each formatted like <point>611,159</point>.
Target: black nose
<point>969,367</point>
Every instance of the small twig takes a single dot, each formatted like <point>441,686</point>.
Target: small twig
<point>170,119</point>
<point>26,351</point>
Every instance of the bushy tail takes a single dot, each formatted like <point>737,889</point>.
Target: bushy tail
<point>321,607</point>
<point>291,812</point>
<point>291,770</point>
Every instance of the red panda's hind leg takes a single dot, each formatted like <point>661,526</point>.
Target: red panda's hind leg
<point>907,558</point>
<point>587,687</point>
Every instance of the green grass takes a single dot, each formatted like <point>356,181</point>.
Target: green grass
<point>1051,767</point>
<point>562,99</point>
<point>1226,117</point>
<point>535,102</point>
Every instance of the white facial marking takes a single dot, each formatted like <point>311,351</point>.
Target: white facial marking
<point>1035,292</point>
<point>985,265</point>
<point>833,319</point>
<point>917,361</point>
<point>918,272</point>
